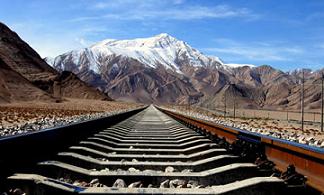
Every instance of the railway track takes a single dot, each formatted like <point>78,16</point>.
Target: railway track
<point>143,152</point>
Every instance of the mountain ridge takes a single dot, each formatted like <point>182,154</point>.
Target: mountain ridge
<point>143,50</point>
<point>178,73</point>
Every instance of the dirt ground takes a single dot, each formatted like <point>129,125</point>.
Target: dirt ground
<point>22,112</point>
<point>274,120</point>
<point>309,116</point>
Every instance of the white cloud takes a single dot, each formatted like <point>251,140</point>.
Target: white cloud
<point>249,53</point>
<point>164,10</point>
<point>56,46</point>
<point>255,51</point>
<point>101,5</point>
<point>197,12</point>
<point>178,2</point>
<point>321,46</point>
<point>84,42</point>
<point>124,4</point>
<point>49,43</point>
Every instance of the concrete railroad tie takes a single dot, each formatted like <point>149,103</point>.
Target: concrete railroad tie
<point>148,153</point>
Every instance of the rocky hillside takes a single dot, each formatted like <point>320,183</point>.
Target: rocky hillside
<point>14,87</point>
<point>163,69</point>
<point>24,62</point>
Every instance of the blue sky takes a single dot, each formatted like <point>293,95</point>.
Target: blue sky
<point>286,34</point>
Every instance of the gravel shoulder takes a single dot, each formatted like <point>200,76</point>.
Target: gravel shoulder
<point>23,117</point>
<point>283,129</point>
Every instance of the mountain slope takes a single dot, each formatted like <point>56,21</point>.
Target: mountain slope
<point>162,69</point>
<point>121,67</point>
<point>20,57</point>
<point>14,87</point>
<point>161,50</point>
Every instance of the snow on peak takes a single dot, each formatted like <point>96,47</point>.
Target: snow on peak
<point>159,50</point>
<point>163,35</point>
<point>105,42</point>
<point>239,65</point>
<point>162,40</point>
<point>49,60</point>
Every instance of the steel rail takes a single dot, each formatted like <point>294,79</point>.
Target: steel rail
<point>308,160</point>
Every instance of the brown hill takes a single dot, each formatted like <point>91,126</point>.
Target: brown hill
<point>68,84</point>
<point>14,87</point>
<point>20,57</point>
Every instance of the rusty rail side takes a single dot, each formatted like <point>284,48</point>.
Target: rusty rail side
<point>308,161</point>
<point>215,129</point>
<point>24,150</point>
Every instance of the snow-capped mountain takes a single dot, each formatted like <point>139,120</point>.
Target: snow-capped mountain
<point>160,68</point>
<point>163,69</point>
<point>160,50</point>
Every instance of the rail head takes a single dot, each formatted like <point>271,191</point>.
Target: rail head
<point>306,149</point>
<point>22,150</point>
<point>308,160</point>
